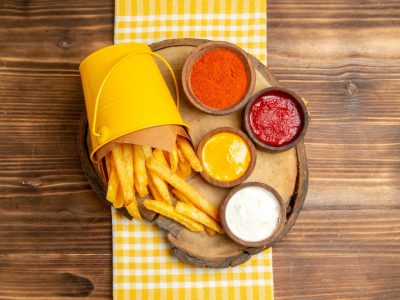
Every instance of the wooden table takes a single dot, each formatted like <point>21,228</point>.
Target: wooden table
<point>343,56</point>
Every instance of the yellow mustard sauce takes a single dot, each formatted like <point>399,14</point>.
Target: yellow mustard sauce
<point>225,156</point>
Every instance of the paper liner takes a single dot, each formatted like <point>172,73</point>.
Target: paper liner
<point>162,137</point>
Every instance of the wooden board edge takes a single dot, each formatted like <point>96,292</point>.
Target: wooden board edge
<point>231,261</point>
<point>177,42</point>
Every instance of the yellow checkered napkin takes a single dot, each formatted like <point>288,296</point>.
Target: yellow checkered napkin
<point>243,22</point>
<point>143,266</point>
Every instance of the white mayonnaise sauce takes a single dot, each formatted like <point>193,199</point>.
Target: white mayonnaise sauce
<point>253,213</point>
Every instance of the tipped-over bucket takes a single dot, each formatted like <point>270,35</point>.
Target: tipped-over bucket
<point>125,92</point>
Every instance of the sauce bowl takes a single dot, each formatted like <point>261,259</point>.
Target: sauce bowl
<point>196,54</point>
<point>300,108</point>
<point>251,151</point>
<point>269,240</point>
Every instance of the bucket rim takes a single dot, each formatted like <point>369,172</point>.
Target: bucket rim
<point>94,53</point>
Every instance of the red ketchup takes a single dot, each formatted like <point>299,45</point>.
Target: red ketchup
<point>275,118</point>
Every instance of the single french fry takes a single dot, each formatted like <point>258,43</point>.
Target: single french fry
<point>112,187</point>
<point>181,157</point>
<point>153,189</point>
<point>166,155</point>
<point>168,211</point>
<point>123,176</point>
<point>192,212</point>
<point>209,231</point>
<point>161,186</point>
<point>185,169</point>
<point>135,187</point>
<point>189,153</point>
<point>147,151</point>
<point>131,206</point>
<point>128,160</point>
<point>139,165</point>
<point>173,159</point>
<point>108,159</point>
<point>158,154</point>
<point>179,173</point>
<point>181,197</point>
<point>133,210</point>
<point>185,188</point>
<point>119,200</point>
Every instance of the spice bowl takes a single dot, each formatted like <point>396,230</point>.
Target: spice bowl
<point>218,78</point>
<point>276,119</point>
<point>253,214</point>
<point>227,155</point>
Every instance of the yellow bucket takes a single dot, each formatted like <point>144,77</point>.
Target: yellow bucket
<point>125,92</point>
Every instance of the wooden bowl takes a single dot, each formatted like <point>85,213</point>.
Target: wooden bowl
<point>253,154</point>
<point>301,105</point>
<point>267,241</point>
<point>196,54</point>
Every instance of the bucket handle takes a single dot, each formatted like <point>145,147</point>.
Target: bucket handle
<point>96,104</point>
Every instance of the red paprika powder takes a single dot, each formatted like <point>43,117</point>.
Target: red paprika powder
<point>218,79</point>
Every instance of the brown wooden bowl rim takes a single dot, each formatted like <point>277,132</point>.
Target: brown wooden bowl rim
<point>306,119</point>
<point>278,229</point>
<point>245,175</point>
<point>200,51</point>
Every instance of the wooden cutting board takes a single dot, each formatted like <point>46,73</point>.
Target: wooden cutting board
<point>285,171</point>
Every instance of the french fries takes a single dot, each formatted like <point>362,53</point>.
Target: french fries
<point>189,153</point>
<point>184,169</point>
<point>180,155</point>
<point>119,200</point>
<point>183,199</point>
<point>147,151</point>
<point>112,187</point>
<point>209,231</point>
<point>180,196</point>
<point>153,190</point>
<point>192,212</point>
<point>123,176</point>
<point>128,159</point>
<point>168,210</point>
<point>136,168</point>
<point>133,210</point>
<point>173,159</point>
<point>159,155</point>
<point>161,186</point>
<point>185,188</point>
<point>108,159</point>
<point>139,165</point>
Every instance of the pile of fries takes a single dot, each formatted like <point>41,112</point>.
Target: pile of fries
<point>136,168</point>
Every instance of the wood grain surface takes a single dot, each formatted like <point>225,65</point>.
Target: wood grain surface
<point>343,56</point>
